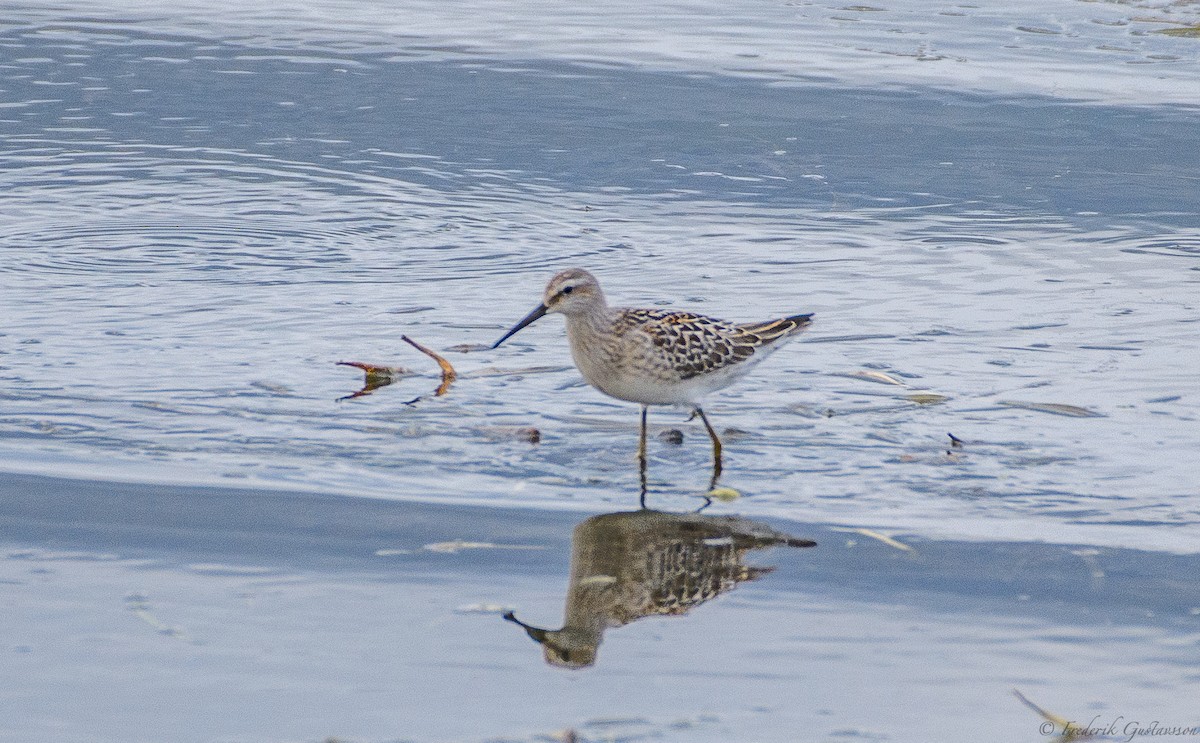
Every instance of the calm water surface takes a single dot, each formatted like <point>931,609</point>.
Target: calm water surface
<point>203,211</point>
<point>991,207</point>
<point>143,613</point>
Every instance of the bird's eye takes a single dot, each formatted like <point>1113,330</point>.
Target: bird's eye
<point>568,289</point>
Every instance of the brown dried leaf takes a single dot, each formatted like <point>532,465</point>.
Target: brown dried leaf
<point>375,376</point>
<point>448,373</point>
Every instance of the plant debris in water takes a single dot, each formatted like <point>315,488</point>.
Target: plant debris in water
<point>926,398</point>
<point>876,376</point>
<point>1190,32</point>
<point>448,373</point>
<point>889,541</point>
<point>1067,731</point>
<point>139,604</point>
<point>1054,408</point>
<point>671,436</point>
<point>723,494</point>
<point>527,434</point>
<point>375,377</point>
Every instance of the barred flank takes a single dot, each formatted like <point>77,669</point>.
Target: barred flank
<point>692,345</point>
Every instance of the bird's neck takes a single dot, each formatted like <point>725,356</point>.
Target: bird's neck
<point>585,327</point>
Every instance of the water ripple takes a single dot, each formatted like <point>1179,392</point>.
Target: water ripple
<point>163,210</point>
<point>204,212</point>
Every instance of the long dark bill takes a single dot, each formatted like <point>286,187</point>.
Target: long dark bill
<point>541,310</point>
<point>537,635</point>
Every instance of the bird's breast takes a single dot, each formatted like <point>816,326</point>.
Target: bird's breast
<point>622,367</point>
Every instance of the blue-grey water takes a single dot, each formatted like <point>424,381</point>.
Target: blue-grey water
<point>144,614</point>
<point>204,210</point>
<point>991,208</point>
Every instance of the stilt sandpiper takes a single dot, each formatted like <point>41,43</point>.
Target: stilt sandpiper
<point>656,357</point>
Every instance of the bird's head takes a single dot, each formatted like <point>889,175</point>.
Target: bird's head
<point>570,292</point>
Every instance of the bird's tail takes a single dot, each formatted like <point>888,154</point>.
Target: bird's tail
<point>773,330</point>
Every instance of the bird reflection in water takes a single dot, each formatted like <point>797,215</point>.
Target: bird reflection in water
<point>629,565</point>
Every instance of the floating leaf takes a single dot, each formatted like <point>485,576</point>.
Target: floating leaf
<point>1192,32</point>
<point>875,376</point>
<point>381,376</point>
<point>469,347</point>
<point>375,377</point>
<point>448,373</point>
<point>723,494</point>
<point>926,398</point>
<point>1070,731</point>
<point>876,535</point>
<point>1053,408</point>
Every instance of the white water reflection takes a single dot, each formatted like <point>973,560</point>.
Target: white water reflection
<point>1113,52</point>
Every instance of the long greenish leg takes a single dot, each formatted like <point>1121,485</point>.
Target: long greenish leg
<point>642,455</point>
<point>642,438</point>
<point>716,443</point>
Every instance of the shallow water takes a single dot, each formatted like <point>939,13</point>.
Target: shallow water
<point>204,211</point>
<point>144,613</point>
<point>201,211</point>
